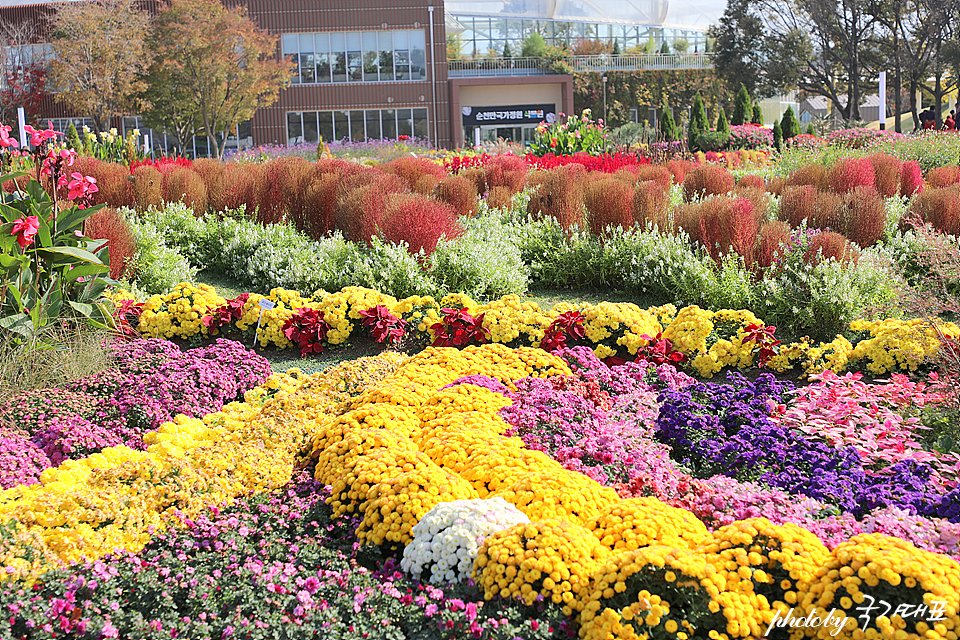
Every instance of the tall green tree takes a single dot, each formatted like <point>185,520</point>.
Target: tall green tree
<point>668,128</point>
<point>742,105</point>
<point>100,55</point>
<point>722,124</point>
<point>789,125</point>
<point>534,46</point>
<point>777,135</point>
<point>757,117</point>
<point>221,61</point>
<point>698,121</point>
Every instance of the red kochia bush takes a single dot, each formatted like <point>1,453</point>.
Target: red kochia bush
<point>751,181</point>
<point>911,178</point>
<point>939,207</point>
<point>728,224</point>
<point>810,174</point>
<point>819,208</point>
<point>679,169</point>
<point>886,173</point>
<point>107,224</point>
<point>610,203</point>
<point>830,244</point>
<point>850,173</point>
<point>505,170</point>
<point>113,185</point>
<point>863,216</point>
<point>362,201</point>
<point>943,176</point>
<point>460,193</point>
<point>707,180</point>
<point>418,221</point>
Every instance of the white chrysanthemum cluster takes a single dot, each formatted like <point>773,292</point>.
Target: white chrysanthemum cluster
<point>448,537</point>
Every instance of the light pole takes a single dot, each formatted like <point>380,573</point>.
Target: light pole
<point>604,99</point>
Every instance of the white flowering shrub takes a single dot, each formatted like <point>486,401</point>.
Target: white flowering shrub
<point>447,539</point>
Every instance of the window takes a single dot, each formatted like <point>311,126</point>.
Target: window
<point>357,56</point>
<point>356,126</point>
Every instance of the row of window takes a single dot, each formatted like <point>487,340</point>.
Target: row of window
<point>357,56</point>
<point>483,35</point>
<point>356,126</point>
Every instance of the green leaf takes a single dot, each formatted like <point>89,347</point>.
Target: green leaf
<point>18,323</point>
<point>84,270</point>
<point>83,308</point>
<point>15,292</point>
<point>12,176</point>
<point>73,252</point>
<point>8,261</point>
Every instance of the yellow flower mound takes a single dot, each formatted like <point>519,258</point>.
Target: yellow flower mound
<point>398,503</point>
<point>179,313</point>
<point>552,557</point>
<point>115,499</point>
<point>513,322</point>
<point>612,326</point>
<point>833,355</point>
<point>272,320</point>
<point>627,525</point>
<point>625,597</point>
<point>869,568</point>
<point>342,309</point>
<point>549,493</point>
<point>364,472</point>
<point>689,330</point>
<point>757,556</point>
<point>462,398</point>
<point>899,344</point>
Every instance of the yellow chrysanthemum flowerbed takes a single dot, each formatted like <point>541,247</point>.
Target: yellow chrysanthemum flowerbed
<point>712,340</point>
<point>627,569</point>
<point>115,499</point>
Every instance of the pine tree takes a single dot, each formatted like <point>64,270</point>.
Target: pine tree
<point>507,52</point>
<point>722,124</point>
<point>789,125</point>
<point>698,122</point>
<point>665,49</point>
<point>667,126</point>
<point>741,107</point>
<point>73,138</point>
<point>777,135</point>
<point>616,47</point>
<point>810,130</point>
<point>757,114</point>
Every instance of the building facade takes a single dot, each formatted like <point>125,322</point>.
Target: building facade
<point>378,69</point>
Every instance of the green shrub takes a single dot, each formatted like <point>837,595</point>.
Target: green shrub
<point>195,238</point>
<point>668,128</point>
<point>712,140</point>
<point>157,267</point>
<point>389,268</point>
<point>722,125</point>
<point>789,125</point>
<point>485,263</point>
<point>742,107</point>
<point>663,265</point>
<point>698,122</point>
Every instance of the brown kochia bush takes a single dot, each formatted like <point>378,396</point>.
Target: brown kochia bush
<point>939,207</point>
<point>829,245</point>
<point>806,202</point>
<point>862,216</point>
<point>651,205</point>
<point>458,192</point>
<point>773,242</point>
<point>284,183</point>
<point>886,173</point>
<point>758,197</point>
<point>657,173</point>
<point>418,221</point>
<point>211,171</point>
<point>362,202</point>
<point>943,176</point>
<point>679,169</point>
<point>610,204</point>
<point>317,217</point>
<point>812,174</point>
<point>242,185</point>
<point>182,184</point>
<point>107,224</point>
<point>147,185</point>
<point>559,195</point>
<point>113,184</point>
<point>499,197</point>
<point>476,176</point>
<point>412,170</point>
<point>707,180</point>
<point>751,181</point>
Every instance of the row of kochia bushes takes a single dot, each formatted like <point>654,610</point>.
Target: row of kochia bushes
<point>415,200</point>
